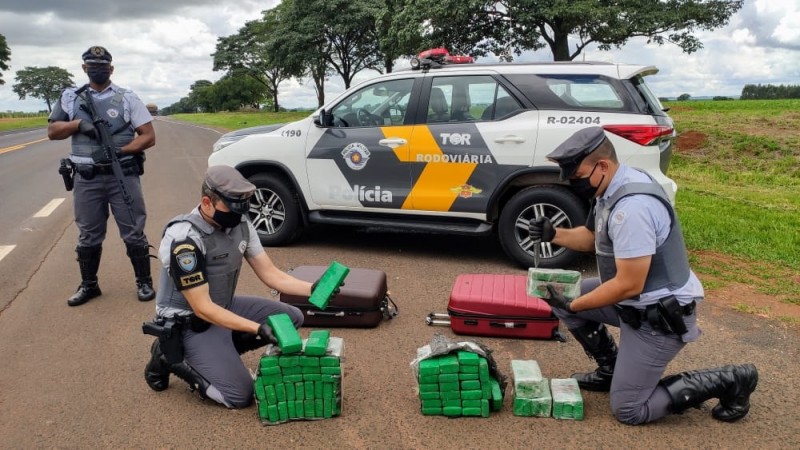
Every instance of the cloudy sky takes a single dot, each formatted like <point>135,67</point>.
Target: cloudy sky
<point>160,47</point>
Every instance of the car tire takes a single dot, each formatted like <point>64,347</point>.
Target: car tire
<point>274,210</point>
<point>560,205</point>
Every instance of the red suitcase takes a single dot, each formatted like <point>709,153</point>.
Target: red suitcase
<point>363,301</point>
<point>497,306</point>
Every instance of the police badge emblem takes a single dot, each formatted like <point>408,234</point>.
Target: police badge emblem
<point>187,261</point>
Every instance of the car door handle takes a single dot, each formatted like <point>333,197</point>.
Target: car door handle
<point>510,138</point>
<point>393,142</point>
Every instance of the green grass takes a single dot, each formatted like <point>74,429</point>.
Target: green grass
<point>18,123</point>
<point>237,120</point>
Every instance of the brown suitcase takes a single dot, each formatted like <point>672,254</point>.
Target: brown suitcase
<point>363,301</point>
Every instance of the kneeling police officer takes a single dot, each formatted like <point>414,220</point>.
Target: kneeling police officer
<point>203,326</point>
<point>645,288</point>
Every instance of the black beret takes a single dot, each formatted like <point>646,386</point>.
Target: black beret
<point>231,186</point>
<point>97,55</point>
<point>571,152</point>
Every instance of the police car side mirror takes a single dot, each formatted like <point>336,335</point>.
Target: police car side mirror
<point>323,119</point>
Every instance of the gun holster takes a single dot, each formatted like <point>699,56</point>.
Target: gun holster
<point>672,313</point>
<point>170,337</point>
<point>67,170</point>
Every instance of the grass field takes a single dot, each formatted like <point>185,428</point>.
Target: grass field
<point>16,123</point>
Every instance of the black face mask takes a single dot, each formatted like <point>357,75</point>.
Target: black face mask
<point>99,75</point>
<point>583,187</point>
<point>226,219</point>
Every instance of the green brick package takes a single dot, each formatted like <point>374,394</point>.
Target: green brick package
<point>567,399</point>
<point>304,385</point>
<point>565,282</point>
<point>330,280</point>
<point>463,382</point>
<point>532,396</point>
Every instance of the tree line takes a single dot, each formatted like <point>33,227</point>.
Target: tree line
<point>770,91</point>
<point>317,39</point>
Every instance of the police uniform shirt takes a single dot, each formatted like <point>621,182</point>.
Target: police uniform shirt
<point>134,110</point>
<point>637,225</point>
<point>181,231</point>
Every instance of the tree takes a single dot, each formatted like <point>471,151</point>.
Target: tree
<point>684,97</point>
<point>509,27</point>
<point>45,83</point>
<point>5,57</point>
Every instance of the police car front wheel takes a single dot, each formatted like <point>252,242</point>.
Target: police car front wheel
<point>274,210</point>
<point>558,204</point>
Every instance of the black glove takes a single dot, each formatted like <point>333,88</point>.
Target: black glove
<point>335,291</point>
<point>87,128</point>
<point>265,331</point>
<point>556,300</point>
<point>541,229</point>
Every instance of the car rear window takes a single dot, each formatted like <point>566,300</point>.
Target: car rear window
<point>573,92</point>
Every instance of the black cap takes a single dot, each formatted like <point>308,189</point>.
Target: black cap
<point>571,152</point>
<point>234,189</point>
<point>96,55</point>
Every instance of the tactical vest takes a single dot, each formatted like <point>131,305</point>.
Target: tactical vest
<point>112,109</point>
<point>669,267</point>
<point>223,264</point>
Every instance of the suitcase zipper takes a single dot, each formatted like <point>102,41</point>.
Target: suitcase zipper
<point>505,319</point>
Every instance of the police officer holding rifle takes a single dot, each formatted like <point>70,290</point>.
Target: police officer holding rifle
<point>645,288</point>
<point>110,129</point>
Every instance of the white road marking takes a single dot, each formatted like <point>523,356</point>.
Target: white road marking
<point>5,250</point>
<point>49,208</point>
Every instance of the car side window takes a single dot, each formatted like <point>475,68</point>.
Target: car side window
<point>376,105</point>
<point>571,92</point>
<point>468,99</point>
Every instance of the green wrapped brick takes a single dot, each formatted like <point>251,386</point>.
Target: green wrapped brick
<point>283,328</point>
<point>309,361</point>
<point>430,395</point>
<point>448,364</point>
<point>331,370</point>
<point>283,412</point>
<point>528,380</point>
<point>272,413</point>
<point>293,378</point>
<point>448,378</point>
<point>451,411</point>
<point>428,379</point>
<point>289,387</point>
<point>472,395</point>
<point>269,361</point>
<point>469,369</point>
<point>291,409</point>
<point>280,392</point>
<point>270,370</point>
<point>272,398</point>
<point>471,411</point>
<point>450,395</point>
<point>327,390</point>
<point>327,284</point>
<point>468,358</point>
<point>432,411</point>
<point>451,403</point>
<point>485,408</point>
<point>300,391</point>
<point>310,408</point>
<point>567,399</point>
<point>431,403</point>
<point>312,377</point>
<point>468,376</point>
<point>471,403</point>
<point>293,370</point>
<point>318,390</point>
<point>329,361</point>
<point>319,407</point>
<point>299,408</point>
<point>564,282</point>
<point>327,408</point>
<point>429,366</point>
<point>449,387</point>
<point>309,389</point>
<point>497,395</point>
<point>470,385</point>
<point>288,361</point>
<point>262,410</point>
<point>317,343</point>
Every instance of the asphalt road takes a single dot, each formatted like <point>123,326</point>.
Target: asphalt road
<point>72,377</point>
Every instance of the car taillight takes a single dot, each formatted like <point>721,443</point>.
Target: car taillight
<point>641,134</point>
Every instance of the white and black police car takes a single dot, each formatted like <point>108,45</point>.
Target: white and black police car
<point>449,146</point>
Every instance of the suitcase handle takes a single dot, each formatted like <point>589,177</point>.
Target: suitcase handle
<point>437,319</point>
<point>311,312</point>
<point>508,324</point>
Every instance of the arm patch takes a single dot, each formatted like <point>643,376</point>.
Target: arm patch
<point>187,264</point>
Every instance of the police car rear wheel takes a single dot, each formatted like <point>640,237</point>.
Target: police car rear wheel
<point>274,210</point>
<point>554,202</point>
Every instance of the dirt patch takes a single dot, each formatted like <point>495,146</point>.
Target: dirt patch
<point>691,141</point>
<point>743,294</point>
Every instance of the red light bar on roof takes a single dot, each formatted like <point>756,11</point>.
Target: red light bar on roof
<point>641,134</point>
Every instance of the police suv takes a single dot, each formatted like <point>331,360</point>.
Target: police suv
<point>449,147</point>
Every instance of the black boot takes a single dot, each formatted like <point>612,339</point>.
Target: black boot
<point>599,345</point>
<point>731,384</point>
<point>187,373</point>
<point>89,262</point>
<point>140,260</point>
<point>244,342</point>
<point>156,372</point>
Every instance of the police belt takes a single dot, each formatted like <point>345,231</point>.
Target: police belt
<point>655,316</point>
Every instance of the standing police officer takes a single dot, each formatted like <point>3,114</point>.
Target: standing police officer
<point>645,288</point>
<point>95,186</point>
<point>203,326</point>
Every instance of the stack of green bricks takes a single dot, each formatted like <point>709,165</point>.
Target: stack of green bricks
<point>564,282</point>
<point>534,396</point>
<point>531,391</point>
<point>458,384</point>
<point>301,384</point>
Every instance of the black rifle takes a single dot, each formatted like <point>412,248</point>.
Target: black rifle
<point>104,139</point>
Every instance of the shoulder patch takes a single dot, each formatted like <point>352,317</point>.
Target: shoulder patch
<point>187,264</point>
<point>619,217</point>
